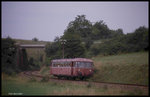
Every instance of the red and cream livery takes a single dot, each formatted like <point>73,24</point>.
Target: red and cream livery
<point>73,68</point>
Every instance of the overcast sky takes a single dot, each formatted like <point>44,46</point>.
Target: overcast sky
<point>46,20</point>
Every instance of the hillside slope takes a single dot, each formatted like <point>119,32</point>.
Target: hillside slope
<point>129,68</point>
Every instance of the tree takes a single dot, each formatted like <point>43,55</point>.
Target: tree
<point>80,26</point>
<point>8,49</point>
<point>116,33</point>
<point>131,42</point>
<point>138,40</point>
<point>100,31</point>
<point>53,50</point>
<point>74,48</point>
<point>88,42</point>
<point>35,39</point>
<point>78,31</point>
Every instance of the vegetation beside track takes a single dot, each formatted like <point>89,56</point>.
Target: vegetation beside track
<point>130,68</point>
<point>21,85</point>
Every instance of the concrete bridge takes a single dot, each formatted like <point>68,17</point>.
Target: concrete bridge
<point>21,47</point>
<point>32,46</point>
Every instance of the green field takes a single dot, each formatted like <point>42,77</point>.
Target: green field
<point>129,68</point>
<point>25,86</point>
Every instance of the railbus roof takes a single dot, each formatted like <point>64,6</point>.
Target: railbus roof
<point>74,59</point>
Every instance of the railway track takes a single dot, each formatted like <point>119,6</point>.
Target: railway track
<point>97,84</point>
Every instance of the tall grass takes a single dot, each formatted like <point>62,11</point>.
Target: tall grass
<point>25,87</point>
<point>131,68</point>
<point>45,70</point>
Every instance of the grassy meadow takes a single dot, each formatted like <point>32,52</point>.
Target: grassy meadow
<point>129,68</point>
<point>18,85</point>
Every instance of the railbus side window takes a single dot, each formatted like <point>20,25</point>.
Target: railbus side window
<point>68,64</point>
<point>60,64</point>
<point>81,64</point>
<point>75,64</point>
<point>64,64</point>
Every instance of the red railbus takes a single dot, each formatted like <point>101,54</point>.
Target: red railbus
<point>72,68</point>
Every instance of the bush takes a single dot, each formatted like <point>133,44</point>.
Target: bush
<point>132,42</point>
<point>9,63</point>
<point>35,39</point>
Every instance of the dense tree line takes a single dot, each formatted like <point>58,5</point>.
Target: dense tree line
<point>81,34</point>
<point>131,42</point>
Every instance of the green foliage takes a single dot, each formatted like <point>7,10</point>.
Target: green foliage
<point>35,39</point>
<point>133,42</point>
<point>138,40</point>
<point>88,43</point>
<point>8,56</point>
<point>47,61</point>
<point>73,46</point>
<point>101,31</point>
<point>80,26</point>
<point>15,60</point>
<point>81,35</point>
<point>33,64</point>
<point>53,49</point>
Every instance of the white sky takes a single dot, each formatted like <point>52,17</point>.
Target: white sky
<point>46,20</point>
